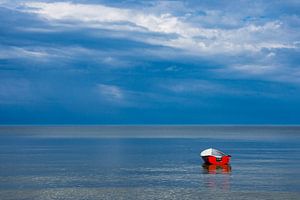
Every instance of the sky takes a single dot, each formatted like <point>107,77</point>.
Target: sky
<point>149,62</point>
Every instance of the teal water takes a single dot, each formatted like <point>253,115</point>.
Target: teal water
<point>148,162</point>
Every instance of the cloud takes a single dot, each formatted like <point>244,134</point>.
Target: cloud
<point>254,69</point>
<point>96,37</point>
<point>121,60</point>
<point>190,37</point>
<point>110,92</point>
<point>124,98</point>
<point>195,87</point>
<point>172,68</point>
<point>19,52</point>
<point>64,57</point>
<point>272,73</point>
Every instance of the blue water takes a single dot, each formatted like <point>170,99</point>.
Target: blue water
<point>129,162</point>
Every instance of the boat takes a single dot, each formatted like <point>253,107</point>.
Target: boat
<point>215,157</point>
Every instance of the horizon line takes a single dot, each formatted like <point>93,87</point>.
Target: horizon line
<point>2,125</point>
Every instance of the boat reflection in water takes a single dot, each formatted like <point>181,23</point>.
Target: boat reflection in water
<point>216,169</point>
<point>216,177</point>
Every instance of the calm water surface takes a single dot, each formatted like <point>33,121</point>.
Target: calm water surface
<point>148,162</point>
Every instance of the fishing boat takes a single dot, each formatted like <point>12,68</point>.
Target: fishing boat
<point>215,157</point>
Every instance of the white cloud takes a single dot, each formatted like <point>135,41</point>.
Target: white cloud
<point>255,69</point>
<point>115,95</point>
<point>19,52</point>
<point>190,37</point>
<point>192,86</point>
<point>63,54</point>
<point>172,68</point>
<point>273,73</point>
<point>38,30</point>
<point>110,92</point>
<point>256,44</point>
<point>270,55</point>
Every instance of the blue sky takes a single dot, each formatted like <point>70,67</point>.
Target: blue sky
<point>149,62</point>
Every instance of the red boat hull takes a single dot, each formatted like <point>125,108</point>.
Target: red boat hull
<point>212,160</point>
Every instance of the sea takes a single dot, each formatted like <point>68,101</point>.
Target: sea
<point>148,162</point>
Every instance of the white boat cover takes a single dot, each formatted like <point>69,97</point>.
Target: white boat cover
<point>212,152</point>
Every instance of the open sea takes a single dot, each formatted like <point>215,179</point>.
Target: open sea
<point>148,162</point>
